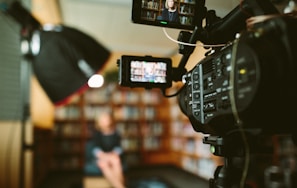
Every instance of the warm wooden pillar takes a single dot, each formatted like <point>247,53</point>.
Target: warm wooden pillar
<point>47,11</point>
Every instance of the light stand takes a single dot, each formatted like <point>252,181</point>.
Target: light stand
<point>25,86</point>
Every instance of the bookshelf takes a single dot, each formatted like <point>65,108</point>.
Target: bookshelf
<point>141,117</point>
<point>42,155</point>
<point>67,146</point>
<point>153,130</point>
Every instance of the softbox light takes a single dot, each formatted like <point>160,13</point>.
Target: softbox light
<point>66,60</point>
<point>63,58</point>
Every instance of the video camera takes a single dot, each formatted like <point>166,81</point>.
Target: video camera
<point>258,68</point>
<point>245,86</point>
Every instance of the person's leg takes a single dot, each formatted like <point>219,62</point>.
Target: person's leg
<point>108,171</point>
<point>116,165</point>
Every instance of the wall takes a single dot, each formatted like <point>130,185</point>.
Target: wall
<point>12,95</point>
<point>10,102</point>
<point>10,151</point>
<point>195,57</point>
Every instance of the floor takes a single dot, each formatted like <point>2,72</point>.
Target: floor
<point>173,175</point>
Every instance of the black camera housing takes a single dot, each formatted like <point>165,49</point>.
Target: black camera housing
<point>264,91</point>
<point>133,72</point>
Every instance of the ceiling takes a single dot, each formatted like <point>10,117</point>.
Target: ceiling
<point>109,22</point>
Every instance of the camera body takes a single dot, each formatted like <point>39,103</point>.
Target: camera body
<point>254,76</point>
<point>262,65</point>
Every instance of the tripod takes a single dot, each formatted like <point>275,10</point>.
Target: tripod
<point>228,175</point>
<point>262,170</point>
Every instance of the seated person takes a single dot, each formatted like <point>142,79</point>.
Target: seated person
<point>107,150</point>
<point>170,13</point>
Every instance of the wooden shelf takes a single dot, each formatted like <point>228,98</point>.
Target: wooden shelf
<point>153,130</point>
<point>141,117</point>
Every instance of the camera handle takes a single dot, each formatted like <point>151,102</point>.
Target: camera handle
<point>186,51</point>
<point>213,27</point>
<point>221,30</point>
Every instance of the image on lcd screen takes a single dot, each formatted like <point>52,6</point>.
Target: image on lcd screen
<point>180,12</point>
<point>150,72</point>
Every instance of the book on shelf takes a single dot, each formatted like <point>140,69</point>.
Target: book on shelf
<point>152,143</point>
<point>128,128</point>
<point>91,111</point>
<point>67,130</point>
<point>128,113</point>
<point>130,144</point>
<point>125,97</point>
<point>67,147</point>
<point>152,128</point>
<point>67,112</point>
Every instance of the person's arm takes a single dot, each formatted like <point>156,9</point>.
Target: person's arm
<point>118,150</point>
<point>96,150</point>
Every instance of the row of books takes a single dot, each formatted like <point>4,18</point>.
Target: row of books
<point>128,128</point>
<point>127,112</point>
<point>97,96</point>
<point>67,130</point>
<point>152,129</point>
<point>67,147</point>
<point>67,112</point>
<point>135,144</point>
<point>152,143</point>
<point>91,111</point>
<point>130,144</point>
<point>135,129</point>
<point>70,163</point>
<point>135,97</point>
<point>115,96</point>
<point>150,4</point>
